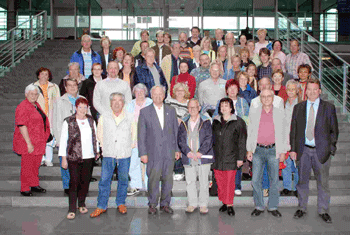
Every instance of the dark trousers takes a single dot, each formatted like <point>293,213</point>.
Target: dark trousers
<point>161,170</point>
<point>308,161</point>
<point>80,174</point>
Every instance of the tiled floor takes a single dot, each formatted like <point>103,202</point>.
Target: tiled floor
<point>137,221</point>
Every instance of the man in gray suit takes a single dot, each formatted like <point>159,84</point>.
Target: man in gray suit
<point>157,143</point>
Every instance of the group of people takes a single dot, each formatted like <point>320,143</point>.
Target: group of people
<point>173,110</point>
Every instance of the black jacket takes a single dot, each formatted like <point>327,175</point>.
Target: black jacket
<point>103,60</point>
<point>229,142</point>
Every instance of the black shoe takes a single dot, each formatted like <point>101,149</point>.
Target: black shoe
<point>223,208</point>
<point>256,212</point>
<point>299,214</point>
<point>95,163</point>
<point>152,210</point>
<point>27,193</point>
<point>246,176</point>
<point>38,189</point>
<point>230,211</point>
<point>92,179</point>
<point>167,209</point>
<point>275,213</point>
<point>326,218</point>
<point>66,191</point>
<point>285,192</point>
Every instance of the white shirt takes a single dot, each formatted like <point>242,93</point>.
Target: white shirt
<point>106,59</point>
<point>160,114</point>
<point>86,142</point>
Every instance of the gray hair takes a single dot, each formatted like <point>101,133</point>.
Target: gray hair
<point>85,36</point>
<point>140,86</point>
<point>31,87</point>
<point>293,82</point>
<point>218,63</point>
<point>264,78</point>
<point>111,96</point>
<point>74,63</point>
<point>156,86</point>
<point>174,43</point>
<point>150,50</point>
<point>159,32</point>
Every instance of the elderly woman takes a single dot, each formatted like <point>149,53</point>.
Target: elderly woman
<point>128,70</point>
<point>262,40</point>
<point>137,170</point>
<point>78,148</point>
<point>278,53</point>
<point>74,73</point>
<point>253,56</point>
<point>184,77</point>
<point>118,55</point>
<point>32,130</point>
<point>105,53</point>
<point>194,63</point>
<point>179,101</point>
<point>207,48</point>
<point>49,93</point>
<point>294,97</point>
<point>235,70</point>
<point>245,90</point>
<point>230,135</point>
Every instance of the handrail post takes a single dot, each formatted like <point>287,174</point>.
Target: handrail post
<point>31,30</point>
<point>45,25</point>
<point>320,62</point>
<point>302,41</point>
<point>345,95</point>
<point>13,46</point>
<point>288,34</point>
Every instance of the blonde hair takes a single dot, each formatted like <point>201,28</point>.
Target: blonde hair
<point>184,86</point>
<point>206,38</point>
<point>218,63</point>
<point>222,46</point>
<point>105,38</point>
<point>261,31</point>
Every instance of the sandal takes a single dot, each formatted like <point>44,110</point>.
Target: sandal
<point>97,212</point>
<point>122,209</point>
<point>71,215</point>
<point>83,210</point>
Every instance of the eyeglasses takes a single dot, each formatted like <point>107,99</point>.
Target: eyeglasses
<point>266,96</point>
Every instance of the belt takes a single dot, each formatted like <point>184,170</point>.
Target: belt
<point>309,146</point>
<point>266,146</point>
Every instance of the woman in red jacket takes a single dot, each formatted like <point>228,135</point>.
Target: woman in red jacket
<point>32,132</point>
<point>184,77</point>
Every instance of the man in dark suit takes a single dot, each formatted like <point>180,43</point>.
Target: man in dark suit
<point>157,143</point>
<point>219,41</point>
<point>313,139</point>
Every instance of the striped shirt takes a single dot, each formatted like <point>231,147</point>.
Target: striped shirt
<point>87,63</point>
<point>294,61</point>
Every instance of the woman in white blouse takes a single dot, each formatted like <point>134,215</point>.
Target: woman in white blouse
<point>78,148</point>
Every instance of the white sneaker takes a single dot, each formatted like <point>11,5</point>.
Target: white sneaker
<point>179,177</point>
<point>132,191</point>
<point>48,163</point>
<point>238,192</point>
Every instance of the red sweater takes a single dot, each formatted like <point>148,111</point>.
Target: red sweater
<point>186,78</point>
<point>282,93</point>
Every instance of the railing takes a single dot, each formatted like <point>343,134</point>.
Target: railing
<point>328,67</point>
<point>21,41</point>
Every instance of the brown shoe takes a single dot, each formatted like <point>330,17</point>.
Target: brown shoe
<point>122,209</point>
<point>152,210</point>
<point>166,209</point>
<point>97,212</point>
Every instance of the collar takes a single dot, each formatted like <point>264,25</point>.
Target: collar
<point>112,79</point>
<point>232,118</point>
<point>316,102</point>
<point>159,109</point>
<point>83,52</point>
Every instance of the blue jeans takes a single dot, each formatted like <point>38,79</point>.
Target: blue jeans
<point>238,179</point>
<point>287,175</point>
<point>262,157</point>
<point>104,186</point>
<point>265,179</point>
<point>65,175</point>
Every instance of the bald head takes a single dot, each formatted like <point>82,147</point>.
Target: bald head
<point>265,84</point>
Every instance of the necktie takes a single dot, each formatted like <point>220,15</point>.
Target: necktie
<point>218,44</point>
<point>310,131</point>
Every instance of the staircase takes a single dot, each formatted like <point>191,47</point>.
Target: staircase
<point>55,56</point>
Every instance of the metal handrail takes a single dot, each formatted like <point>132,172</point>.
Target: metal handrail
<point>331,69</point>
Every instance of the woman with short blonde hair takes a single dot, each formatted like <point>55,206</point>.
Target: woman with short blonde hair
<point>207,48</point>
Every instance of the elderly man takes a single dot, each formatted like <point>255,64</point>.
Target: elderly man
<point>137,46</point>
<point>140,58</point>
<point>116,133</point>
<point>212,90</point>
<point>161,49</point>
<point>157,144</point>
<point>106,87</point>
<point>73,73</point>
<point>313,142</point>
<point>62,108</point>
<point>171,63</point>
<point>196,140</point>
<point>266,145</point>
<point>194,39</point>
<point>85,56</point>
<point>186,51</point>
<point>219,34</point>
<point>150,73</point>
<point>277,64</point>
<point>202,72</point>
<point>295,59</point>
<point>265,84</point>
